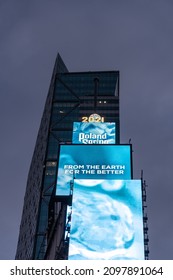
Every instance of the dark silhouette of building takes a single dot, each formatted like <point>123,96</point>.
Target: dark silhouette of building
<point>71,96</point>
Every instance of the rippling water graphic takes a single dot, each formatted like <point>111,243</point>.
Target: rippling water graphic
<point>104,222</point>
<point>88,130</point>
<point>80,161</point>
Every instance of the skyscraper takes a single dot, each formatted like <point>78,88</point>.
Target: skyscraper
<point>72,97</point>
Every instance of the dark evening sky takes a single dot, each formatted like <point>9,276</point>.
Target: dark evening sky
<point>134,37</point>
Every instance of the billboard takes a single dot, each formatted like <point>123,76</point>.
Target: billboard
<point>94,133</point>
<point>92,162</point>
<point>107,220</point>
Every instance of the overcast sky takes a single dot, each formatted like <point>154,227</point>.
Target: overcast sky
<point>135,37</point>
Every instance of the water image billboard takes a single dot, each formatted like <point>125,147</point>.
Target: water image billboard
<point>107,220</point>
<point>94,133</point>
<point>92,162</point>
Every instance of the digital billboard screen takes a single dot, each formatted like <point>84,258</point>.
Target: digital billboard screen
<point>92,162</point>
<point>94,133</point>
<point>107,220</point>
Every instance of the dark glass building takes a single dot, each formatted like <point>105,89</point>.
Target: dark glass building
<point>72,96</point>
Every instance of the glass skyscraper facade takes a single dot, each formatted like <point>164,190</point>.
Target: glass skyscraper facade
<point>71,97</point>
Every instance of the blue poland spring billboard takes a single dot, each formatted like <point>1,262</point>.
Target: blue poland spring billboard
<point>96,162</point>
<point>107,220</point>
<point>94,133</point>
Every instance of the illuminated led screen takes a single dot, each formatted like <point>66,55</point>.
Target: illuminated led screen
<point>93,133</point>
<point>92,162</point>
<point>107,220</point>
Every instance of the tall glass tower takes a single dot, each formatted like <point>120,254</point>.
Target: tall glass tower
<point>71,97</point>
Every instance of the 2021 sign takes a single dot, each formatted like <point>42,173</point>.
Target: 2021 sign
<point>93,118</point>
